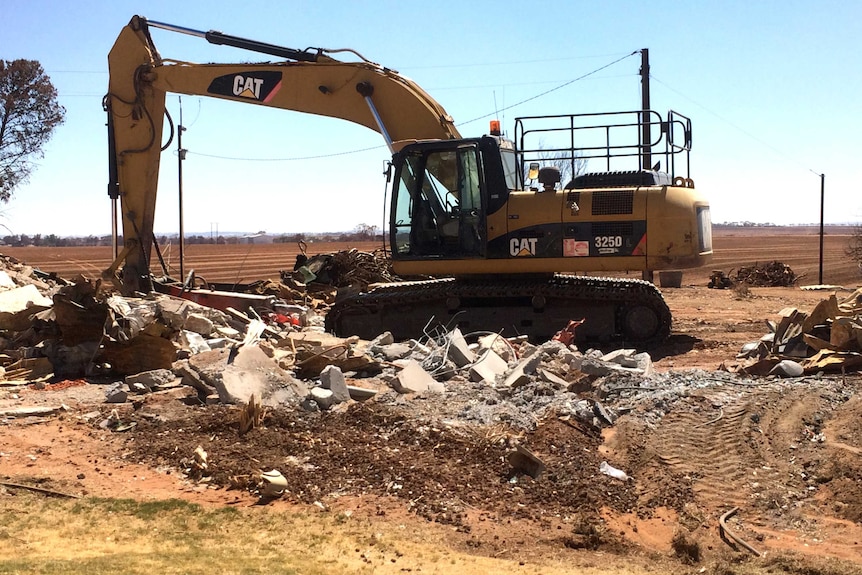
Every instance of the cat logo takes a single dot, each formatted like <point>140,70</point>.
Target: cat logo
<point>247,87</point>
<point>257,85</point>
<point>522,247</point>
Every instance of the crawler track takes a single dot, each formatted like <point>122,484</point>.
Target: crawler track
<point>628,312</point>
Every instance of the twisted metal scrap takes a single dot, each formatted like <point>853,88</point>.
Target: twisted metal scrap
<point>772,274</point>
<point>357,268</point>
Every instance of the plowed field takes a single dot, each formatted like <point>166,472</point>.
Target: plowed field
<point>798,247</point>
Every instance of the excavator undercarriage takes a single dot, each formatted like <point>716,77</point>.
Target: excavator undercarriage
<point>615,311</point>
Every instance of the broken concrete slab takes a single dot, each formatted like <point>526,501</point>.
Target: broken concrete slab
<point>384,338</point>
<point>199,323</point>
<point>552,378</point>
<point>323,397</point>
<point>523,372</point>
<point>151,380</point>
<point>332,378</point>
<point>237,374</point>
<point>175,311</point>
<point>501,346</point>
<point>193,342</point>
<point>21,298</point>
<point>191,378</point>
<point>360,393</point>
<point>459,351</point>
<point>487,367</point>
<point>599,368</point>
<point>115,393</point>
<point>392,351</point>
<point>6,282</point>
<point>525,461</point>
<point>621,357</point>
<point>414,379</point>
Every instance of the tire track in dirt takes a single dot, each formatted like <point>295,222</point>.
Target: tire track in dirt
<point>711,446</point>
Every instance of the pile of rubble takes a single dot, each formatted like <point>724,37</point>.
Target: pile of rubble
<point>828,339</point>
<point>56,330</point>
<point>772,274</point>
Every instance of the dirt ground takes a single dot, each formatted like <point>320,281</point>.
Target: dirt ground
<point>785,453</point>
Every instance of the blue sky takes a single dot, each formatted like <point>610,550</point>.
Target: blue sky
<point>773,90</point>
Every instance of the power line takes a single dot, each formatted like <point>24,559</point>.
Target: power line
<point>512,84</point>
<point>546,92</point>
<point>508,62</point>
<point>780,153</point>
<point>287,159</point>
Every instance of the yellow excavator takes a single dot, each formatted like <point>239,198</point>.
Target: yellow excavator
<point>500,241</point>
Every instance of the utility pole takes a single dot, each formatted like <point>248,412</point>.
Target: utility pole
<point>181,155</point>
<point>646,138</point>
<point>646,156</point>
<point>822,203</point>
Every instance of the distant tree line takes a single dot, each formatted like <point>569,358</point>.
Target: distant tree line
<point>362,232</point>
<point>53,240</point>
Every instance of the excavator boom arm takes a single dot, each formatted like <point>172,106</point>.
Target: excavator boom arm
<point>361,92</point>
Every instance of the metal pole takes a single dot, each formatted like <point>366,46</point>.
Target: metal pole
<point>646,138</point>
<point>646,151</point>
<point>181,155</point>
<point>822,203</point>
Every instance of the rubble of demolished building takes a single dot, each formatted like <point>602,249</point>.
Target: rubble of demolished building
<point>55,330</point>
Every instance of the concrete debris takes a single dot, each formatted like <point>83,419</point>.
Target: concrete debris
<point>115,393</point>
<point>281,358</point>
<point>829,338</point>
<point>360,393</point>
<point>149,381</point>
<point>498,344</point>
<point>522,460</point>
<point>522,373</point>
<point>238,373</point>
<point>459,352</point>
<point>488,367</point>
<point>332,378</point>
<point>414,379</point>
<point>324,398</point>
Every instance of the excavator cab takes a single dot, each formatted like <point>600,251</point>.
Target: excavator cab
<point>439,201</point>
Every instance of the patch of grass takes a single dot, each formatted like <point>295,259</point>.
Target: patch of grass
<point>83,537</point>
<point>141,509</point>
<point>800,565</point>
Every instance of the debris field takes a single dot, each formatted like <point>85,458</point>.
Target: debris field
<point>581,448</point>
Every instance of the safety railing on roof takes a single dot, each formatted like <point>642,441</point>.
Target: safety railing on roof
<point>614,141</point>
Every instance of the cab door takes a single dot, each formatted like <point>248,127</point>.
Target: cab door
<point>437,203</point>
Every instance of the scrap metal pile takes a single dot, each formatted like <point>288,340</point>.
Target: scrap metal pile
<point>772,274</point>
